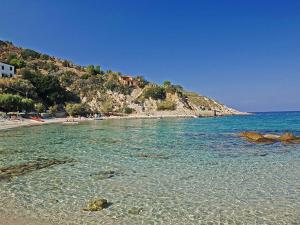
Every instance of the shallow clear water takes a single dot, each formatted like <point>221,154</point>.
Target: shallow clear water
<point>206,175</point>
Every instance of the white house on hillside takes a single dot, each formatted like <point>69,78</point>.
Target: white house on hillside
<point>7,70</point>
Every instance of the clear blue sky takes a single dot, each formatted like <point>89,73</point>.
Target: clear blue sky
<point>244,53</point>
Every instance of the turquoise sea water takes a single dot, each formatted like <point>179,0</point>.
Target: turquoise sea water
<point>201,171</point>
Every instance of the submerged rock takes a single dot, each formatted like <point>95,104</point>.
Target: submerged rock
<point>22,169</point>
<point>96,205</point>
<point>261,154</point>
<point>155,156</point>
<point>104,174</point>
<point>135,211</point>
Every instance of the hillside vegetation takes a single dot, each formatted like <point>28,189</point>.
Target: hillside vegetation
<point>48,83</point>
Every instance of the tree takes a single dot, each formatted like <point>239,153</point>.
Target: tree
<point>53,110</point>
<point>29,53</point>
<point>107,107</point>
<point>90,69</point>
<point>18,63</point>
<point>10,103</point>
<point>154,92</point>
<point>67,78</point>
<point>18,86</point>
<point>13,103</point>
<point>39,107</point>
<point>45,57</point>
<point>76,109</point>
<point>166,83</point>
<point>166,105</point>
<point>98,69</point>
<point>27,104</point>
<point>47,87</point>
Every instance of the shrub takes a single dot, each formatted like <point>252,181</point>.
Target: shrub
<point>113,82</point>
<point>98,70</point>
<point>11,56</point>
<point>29,53</point>
<point>77,109</point>
<point>67,78</point>
<point>50,66</point>
<point>85,76</point>
<point>27,104</point>
<point>53,109</point>
<point>39,107</point>
<point>10,102</point>
<point>17,86</point>
<point>140,81</point>
<point>18,63</point>
<point>66,63</point>
<point>125,89</point>
<point>154,92</point>
<point>107,107</point>
<point>127,110</point>
<point>45,57</point>
<point>47,87</point>
<point>166,83</point>
<point>166,105</point>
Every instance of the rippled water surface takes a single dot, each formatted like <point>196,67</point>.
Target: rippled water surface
<point>197,171</point>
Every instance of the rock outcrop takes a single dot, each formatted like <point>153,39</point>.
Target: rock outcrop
<point>255,137</point>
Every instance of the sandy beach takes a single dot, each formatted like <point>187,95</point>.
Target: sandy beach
<point>9,124</point>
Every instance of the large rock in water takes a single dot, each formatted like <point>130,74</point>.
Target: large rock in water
<point>257,138</point>
<point>251,135</point>
<point>272,136</point>
<point>254,137</point>
<point>289,138</point>
<point>96,205</point>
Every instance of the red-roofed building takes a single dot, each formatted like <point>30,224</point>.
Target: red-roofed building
<point>127,80</point>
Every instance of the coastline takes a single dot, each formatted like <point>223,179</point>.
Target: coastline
<point>10,124</point>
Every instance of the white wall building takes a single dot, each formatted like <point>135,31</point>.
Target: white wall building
<point>7,70</point>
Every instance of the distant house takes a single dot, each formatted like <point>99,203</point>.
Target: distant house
<point>7,70</point>
<point>127,80</point>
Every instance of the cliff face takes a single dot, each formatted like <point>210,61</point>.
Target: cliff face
<point>107,91</point>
